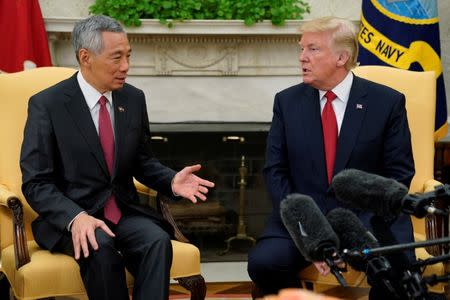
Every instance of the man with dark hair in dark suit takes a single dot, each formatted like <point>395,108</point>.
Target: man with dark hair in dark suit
<point>332,121</point>
<point>85,139</point>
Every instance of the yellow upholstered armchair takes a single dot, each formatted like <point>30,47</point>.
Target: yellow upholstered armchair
<point>420,91</point>
<point>32,272</point>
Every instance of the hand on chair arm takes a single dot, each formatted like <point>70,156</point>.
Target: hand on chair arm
<point>430,185</point>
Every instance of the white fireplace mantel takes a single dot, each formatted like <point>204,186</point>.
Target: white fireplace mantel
<point>202,71</point>
<point>191,27</point>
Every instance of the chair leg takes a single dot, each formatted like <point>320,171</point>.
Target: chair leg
<point>194,284</point>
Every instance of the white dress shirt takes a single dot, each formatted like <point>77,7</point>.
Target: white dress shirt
<point>91,95</point>
<point>342,91</point>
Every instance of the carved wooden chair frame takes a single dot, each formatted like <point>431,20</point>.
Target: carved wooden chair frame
<point>194,284</point>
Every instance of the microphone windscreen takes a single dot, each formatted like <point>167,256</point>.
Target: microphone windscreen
<point>307,226</point>
<point>353,235</point>
<point>369,192</point>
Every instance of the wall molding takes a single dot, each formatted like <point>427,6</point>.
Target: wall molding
<point>190,27</point>
<point>197,48</point>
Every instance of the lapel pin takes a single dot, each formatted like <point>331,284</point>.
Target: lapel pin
<point>121,109</point>
<point>359,106</point>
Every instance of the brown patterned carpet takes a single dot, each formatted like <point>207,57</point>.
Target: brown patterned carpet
<point>242,290</point>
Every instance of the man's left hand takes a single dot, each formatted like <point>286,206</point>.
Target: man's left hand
<point>188,185</point>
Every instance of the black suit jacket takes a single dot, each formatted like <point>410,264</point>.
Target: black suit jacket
<point>374,137</point>
<point>63,168</point>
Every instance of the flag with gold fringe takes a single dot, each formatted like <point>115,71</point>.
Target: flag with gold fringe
<point>405,34</point>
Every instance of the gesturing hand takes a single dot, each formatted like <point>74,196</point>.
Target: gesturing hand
<point>83,233</point>
<point>190,186</point>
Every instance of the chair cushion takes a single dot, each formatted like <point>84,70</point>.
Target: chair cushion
<point>54,274</point>
<point>44,276</point>
<point>186,260</point>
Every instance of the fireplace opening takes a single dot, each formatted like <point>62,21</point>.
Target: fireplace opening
<point>232,156</point>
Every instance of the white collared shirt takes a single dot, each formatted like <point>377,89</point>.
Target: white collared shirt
<point>91,95</point>
<point>342,91</point>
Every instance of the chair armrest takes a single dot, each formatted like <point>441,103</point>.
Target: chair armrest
<point>433,223</point>
<point>162,204</point>
<point>9,199</point>
<point>418,237</point>
<point>5,194</point>
<point>430,185</point>
<point>143,189</point>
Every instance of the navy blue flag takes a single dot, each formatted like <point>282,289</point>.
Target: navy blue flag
<point>405,34</point>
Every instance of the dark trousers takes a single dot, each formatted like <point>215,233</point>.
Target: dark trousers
<point>4,287</point>
<point>141,246</point>
<point>274,264</point>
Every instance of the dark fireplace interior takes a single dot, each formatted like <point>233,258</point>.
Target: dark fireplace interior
<point>232,156</point>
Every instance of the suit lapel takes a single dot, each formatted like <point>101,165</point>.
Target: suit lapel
<point>120,125</point>
<point>353,118</point>
<point>312,125</point>
<point>77,107</point>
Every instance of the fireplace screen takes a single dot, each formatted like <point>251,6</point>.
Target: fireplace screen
<point>226,225</point>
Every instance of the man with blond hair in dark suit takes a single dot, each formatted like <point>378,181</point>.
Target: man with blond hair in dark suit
<point>332,121</point>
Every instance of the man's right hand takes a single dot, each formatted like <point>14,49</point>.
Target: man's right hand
<point>83,232</point>
<point>322,267</point>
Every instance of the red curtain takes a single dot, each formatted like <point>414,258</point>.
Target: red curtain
<point>23,36</point>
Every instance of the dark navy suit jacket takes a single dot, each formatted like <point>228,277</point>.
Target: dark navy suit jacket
<point>374,137</point>
<point>63,168</point>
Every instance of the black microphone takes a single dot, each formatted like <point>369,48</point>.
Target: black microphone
<point>355,238</point>
<point>311,232</point>
<point>380,195</point>
<point>307,226</point>
<point>353,235</point>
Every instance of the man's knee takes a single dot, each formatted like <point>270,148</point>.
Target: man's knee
<point>106,260</point>
<point>161,241</point>
<point>103,239</point>
<point>106,252</point>
<point>258,264</point>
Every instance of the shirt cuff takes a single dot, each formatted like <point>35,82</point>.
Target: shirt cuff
<point>69,227</point>
<point>171,187</point>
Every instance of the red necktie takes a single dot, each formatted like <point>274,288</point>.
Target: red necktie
<point>105,132</point>
<point>330,133</point>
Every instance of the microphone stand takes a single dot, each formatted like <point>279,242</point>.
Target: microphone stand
<point>400,247</point>
<point>378,270</point>
<point>411,284</point>
<point>435,279</point>
<point>414,285</point>
<point>333,260</point>
<point>431,261</point>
